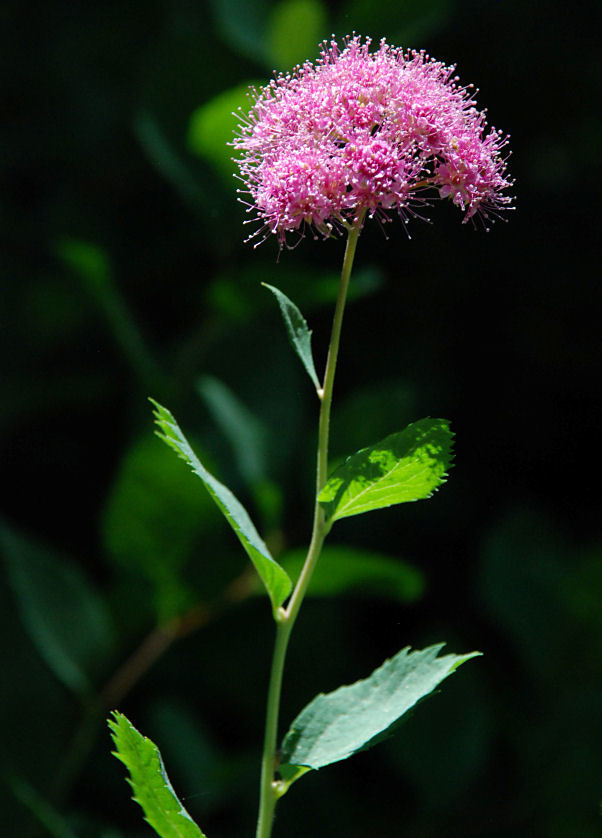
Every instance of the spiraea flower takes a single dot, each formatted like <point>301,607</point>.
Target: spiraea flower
<point>361,134</point>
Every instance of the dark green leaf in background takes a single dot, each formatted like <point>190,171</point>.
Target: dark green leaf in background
<point>405,466</point>
<point>63,614</point>
<point>150,783</point>
<point>92,265</point>
<point>275,579</point>
<point>45,813</point>
<point>242,25</point>
<point>154,520</point>
<point>352,718</point>
<point>343,570</point>
<point>298,332</point>
<point>247,436</point>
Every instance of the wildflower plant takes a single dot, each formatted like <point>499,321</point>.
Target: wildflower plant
<point>360,134</point>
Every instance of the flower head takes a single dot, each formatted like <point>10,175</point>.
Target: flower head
<point>362,132</point>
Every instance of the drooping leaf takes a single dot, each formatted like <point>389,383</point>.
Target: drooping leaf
<point>247,436</point>
<point>405,466</point>
<point>347,570</point>
<point>336,725</point>
<point>63,614</point>
<point>150,783</point>
<point>298,332</point>
<point>275,579</point>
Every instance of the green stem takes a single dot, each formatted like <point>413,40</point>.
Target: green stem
<point>271,789</point>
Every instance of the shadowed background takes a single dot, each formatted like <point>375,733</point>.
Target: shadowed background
<point>126,276</point>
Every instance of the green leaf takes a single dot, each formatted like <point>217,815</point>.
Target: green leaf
<point>347,570</point>
<point>295,28</point>
<point>298,332</point>
<point>212,127</point>
<point>152,789</point>
<point>334,726</point>
<point>62,613</point>
<point>405,466</point>
<point>275,579</point>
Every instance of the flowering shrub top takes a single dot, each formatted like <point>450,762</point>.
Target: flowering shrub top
<point>367,132</point>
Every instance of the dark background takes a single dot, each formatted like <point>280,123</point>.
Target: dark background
<point>126,275</point>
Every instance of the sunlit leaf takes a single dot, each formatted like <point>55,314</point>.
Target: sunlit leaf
<point>298,332</point>
<point>63,614</point>
<point>405,466</point>
<point>275,579</point>
<point>150,783</point>
<point>342,570</point>
<point>338,724</point>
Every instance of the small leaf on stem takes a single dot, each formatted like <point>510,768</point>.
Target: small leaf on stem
<point>405,466</point>
<point>353,718</point>
<point>150,783</point>
<point>275,579</point>
<point>298,332</point>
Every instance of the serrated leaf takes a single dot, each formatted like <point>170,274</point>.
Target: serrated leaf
<point>405,466</point>
<point>298,332</point>
<point>275,579</point>
<point>149,781</point>
<point>338,724</point>
<point>342,570</point>
<point>63,614</point>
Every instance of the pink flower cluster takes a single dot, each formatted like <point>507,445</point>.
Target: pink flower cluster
<point>362,132</point>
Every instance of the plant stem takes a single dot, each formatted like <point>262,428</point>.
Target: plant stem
<point>270,789</point>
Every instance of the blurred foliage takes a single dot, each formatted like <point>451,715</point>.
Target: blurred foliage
<point>126,276</point>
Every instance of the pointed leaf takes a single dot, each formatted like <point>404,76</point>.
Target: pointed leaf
<point>63,614</point>
<point>275,579</point>
<point>334,726</point>
<point>298,332</point>
<point>148,779</point>
<point>405,466</point>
